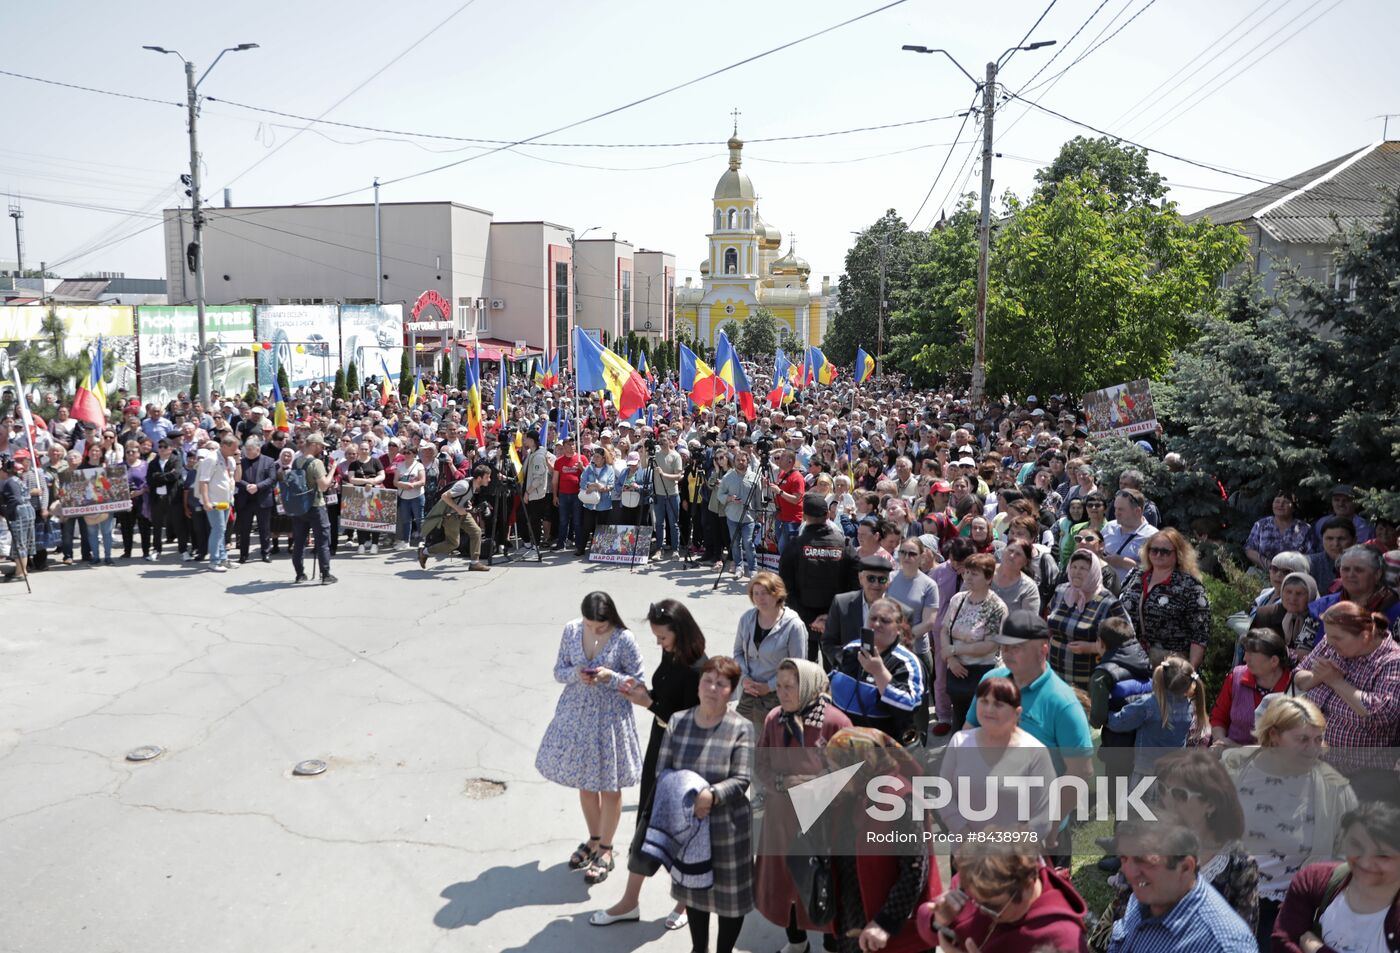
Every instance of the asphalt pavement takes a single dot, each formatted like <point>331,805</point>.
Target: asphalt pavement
<point>424,693</point>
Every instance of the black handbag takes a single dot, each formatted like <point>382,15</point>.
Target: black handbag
<point>812,876</point>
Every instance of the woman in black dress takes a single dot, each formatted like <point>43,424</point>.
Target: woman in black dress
<point>675,686</point>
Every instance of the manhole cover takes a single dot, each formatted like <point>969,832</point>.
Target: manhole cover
<point>309,768</point>
<point>479,789</point>
<point>145,753</point>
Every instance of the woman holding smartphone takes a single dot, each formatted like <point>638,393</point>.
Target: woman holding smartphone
<point>591,744</point>
<point>675,687</point>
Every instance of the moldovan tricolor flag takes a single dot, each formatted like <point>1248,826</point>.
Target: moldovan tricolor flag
<point>597,368</point>
<point>384,389</point>
<point>279,408</point>
<point>819,368</point>
<point>698,380</point>
<point>865,366</point>
<point>90,402</point>
<point>731,371</point>
<point>548,376</point>
<point>474,428</point>
<point>502,396</point>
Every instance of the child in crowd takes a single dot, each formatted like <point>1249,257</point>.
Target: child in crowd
<point>1167,718</point>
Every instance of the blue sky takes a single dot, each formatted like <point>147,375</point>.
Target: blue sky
<point>508,70</point>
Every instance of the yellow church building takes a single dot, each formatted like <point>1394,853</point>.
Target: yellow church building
<point>743,271</point>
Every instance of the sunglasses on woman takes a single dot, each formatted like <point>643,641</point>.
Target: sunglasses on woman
<point>1086,538</point>
<point>1162,551</point>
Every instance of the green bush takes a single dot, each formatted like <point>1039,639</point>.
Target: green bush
<point>1235,593</point>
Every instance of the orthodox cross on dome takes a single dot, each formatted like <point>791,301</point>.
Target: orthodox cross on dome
<point>792,242</point>
<point>736,114</point>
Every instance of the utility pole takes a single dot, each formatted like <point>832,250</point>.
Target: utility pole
<point>197,247</point>
<point>880,311</point>
<point>17,213</point>
<point>195,251</point>
<point>977,392</point>
<point>378,251</point>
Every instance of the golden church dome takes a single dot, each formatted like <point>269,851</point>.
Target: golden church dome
<point>705,267</point>
<point>734,184</point>
<point>791,264</point>
<point>769,238</point>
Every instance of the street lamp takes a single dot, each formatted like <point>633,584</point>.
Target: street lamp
<point>880,305</point>
<point>569,346</point>
<point>978,386</point>
<point>195,253</point>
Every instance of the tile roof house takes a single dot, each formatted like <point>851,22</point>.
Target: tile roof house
<point>1293,220</point>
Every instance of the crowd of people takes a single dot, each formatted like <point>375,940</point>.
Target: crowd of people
<point>918,577</point>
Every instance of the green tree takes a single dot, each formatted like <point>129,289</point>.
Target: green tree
<point>1301,391</point>
<point>462,374</point>
<point>445,372</point>
<point>791,343</point>
<point>1083,294</point>
<point>732,330</point>
<point>338,389</point>
<point>1122,170</point>
<point>929,333</point>
<point>406,374</point>
<point>352,379</point>
<point>46,360</point>
<point>194,382</point>
<point>284,382</point>
<point>759,335</point>
<point>856,321</point>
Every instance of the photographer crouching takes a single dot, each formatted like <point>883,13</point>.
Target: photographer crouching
<point>456,511</point>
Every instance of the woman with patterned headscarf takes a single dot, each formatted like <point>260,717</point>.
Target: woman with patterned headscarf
<point>802,724</point>
<point>1080,606</point>
<point>877,891</point>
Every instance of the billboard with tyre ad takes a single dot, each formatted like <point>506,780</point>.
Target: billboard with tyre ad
<point>371,335</point>
<point>302,339</point>
<point>168,339</point>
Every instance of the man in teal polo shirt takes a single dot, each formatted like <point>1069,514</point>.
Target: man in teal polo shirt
<point>1050,711</point>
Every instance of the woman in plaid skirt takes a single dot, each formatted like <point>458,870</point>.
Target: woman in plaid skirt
<point>717,744</point>
<point>18,512</point>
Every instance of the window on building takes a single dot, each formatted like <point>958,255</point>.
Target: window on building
<point>731,261</point>
<point>732,213</point>
<point>360,301</point>
<point>748,220</point>
<point>561,303</point>
<point>626,291</point>
<point>719,219</point>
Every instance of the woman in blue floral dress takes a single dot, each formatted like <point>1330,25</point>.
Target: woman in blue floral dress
<point>591,744</point>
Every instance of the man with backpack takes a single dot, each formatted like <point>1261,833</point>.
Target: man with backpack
<point>452,516</point>
<point>304,484</point>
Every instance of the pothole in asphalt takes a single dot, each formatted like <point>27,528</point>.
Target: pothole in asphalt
<point>479,789</point>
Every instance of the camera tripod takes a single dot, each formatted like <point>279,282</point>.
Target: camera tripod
<point>759,511</point>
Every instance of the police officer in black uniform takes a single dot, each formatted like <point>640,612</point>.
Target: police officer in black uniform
<point>816,567</point>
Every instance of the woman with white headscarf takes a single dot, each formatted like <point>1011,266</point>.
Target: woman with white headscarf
<point>1289,616</point>
<point>804,719</point>
<point>1079,607</point>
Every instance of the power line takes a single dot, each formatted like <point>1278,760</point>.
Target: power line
<point>1091,50</point>
<point>617,109</point>
<point>1067,44</point>
<point>90,89</point>
<point>1274,183</point>
<point>934,184</point>
<point>1016,49</point>
<point>1134,109</point>
<point>371,78</point>
<point>582,145</point>
<point>1179,112</point>
<point>971,162</point>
